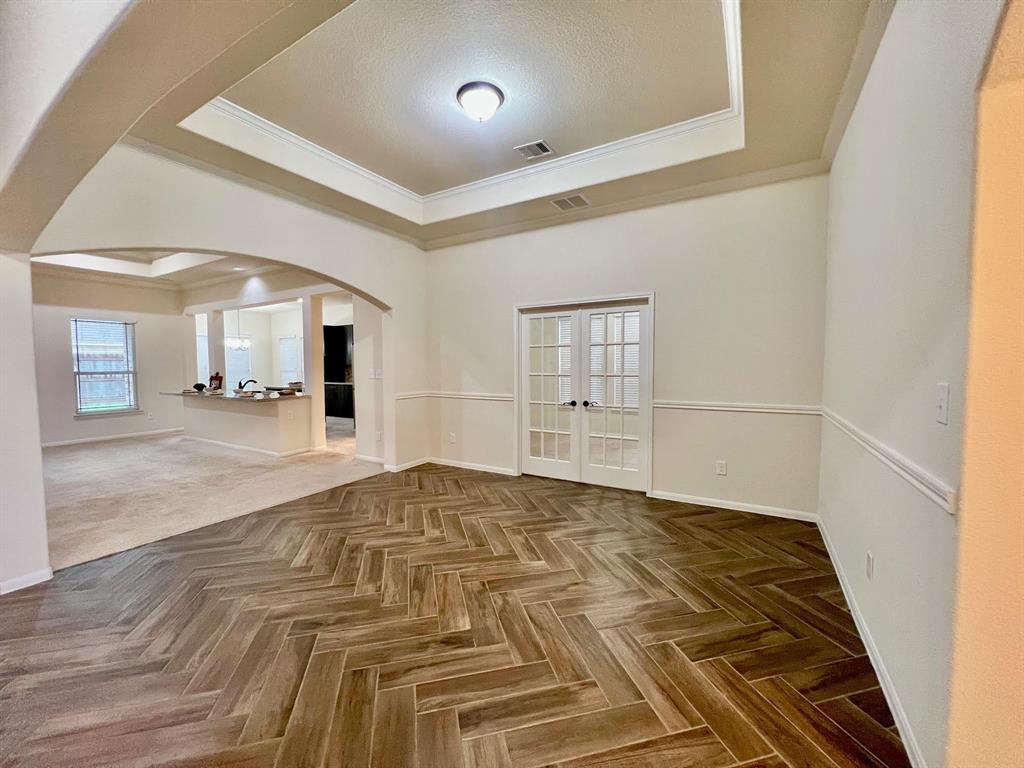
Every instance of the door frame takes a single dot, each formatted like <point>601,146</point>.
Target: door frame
<point>646,414</point>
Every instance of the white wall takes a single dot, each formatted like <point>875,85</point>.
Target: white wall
<point>900,201</point>
<point>160,345</point>
<point>739,284</point>
<point>24,558</point>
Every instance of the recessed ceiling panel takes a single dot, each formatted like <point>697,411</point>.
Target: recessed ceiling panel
<point>376,83</point>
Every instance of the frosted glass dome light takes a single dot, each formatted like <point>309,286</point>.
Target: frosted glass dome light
<point>480,100</point>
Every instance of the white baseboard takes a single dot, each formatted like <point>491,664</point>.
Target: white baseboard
<point>263,451</point>
<point>105,438</point>
<point>738,506</point>
<point>885,681</point>
<point>28,580</point>
<point>450,463</point>
<point>371,459</point>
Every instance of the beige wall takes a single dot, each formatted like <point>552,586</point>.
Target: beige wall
<point>161,335</point>
<point>900,200</point>
<point>739,285</point>
<point>24,559</point>
<point>987,707</point>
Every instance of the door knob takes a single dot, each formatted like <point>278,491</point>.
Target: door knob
<point>571,403</point>
<point>588,403</point>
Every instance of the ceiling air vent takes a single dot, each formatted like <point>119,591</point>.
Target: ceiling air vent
<point>533,150</point>
<point>570,203</point>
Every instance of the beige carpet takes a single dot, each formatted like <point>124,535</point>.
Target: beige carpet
<point>107,497</point>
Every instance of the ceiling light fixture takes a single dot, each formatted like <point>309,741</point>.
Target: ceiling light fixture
<point>480,100</point>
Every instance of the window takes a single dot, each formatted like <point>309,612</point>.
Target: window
<point>103,353</point>
<point>202,350</point>
<point>290,357</point>
<point>237,360</point>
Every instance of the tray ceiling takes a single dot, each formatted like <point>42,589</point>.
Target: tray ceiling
<point>793,73</point>
<point>376,84</point>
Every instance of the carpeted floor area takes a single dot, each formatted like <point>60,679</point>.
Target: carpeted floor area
<point>107,497</point>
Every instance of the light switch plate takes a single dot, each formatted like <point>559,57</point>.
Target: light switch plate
<point>942,402</point>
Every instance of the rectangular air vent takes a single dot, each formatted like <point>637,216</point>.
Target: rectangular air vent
<point>570,203</point>
<point>533,150</point>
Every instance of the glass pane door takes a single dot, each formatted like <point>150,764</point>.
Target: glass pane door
<point>551,376</point>
<point>615,355</point>
<point>584,397</point>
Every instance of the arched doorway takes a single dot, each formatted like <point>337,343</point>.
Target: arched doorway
<point>128,457</point>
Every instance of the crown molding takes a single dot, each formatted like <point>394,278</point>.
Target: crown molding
<point>776,175</point>
<point>106,278</point>
<point>229,124</point>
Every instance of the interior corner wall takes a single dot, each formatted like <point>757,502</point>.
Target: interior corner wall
<point>161,333</point>
<point>24,557</point>
<point>739,307</point>
<point>367,360</point>
<point>899,233</point>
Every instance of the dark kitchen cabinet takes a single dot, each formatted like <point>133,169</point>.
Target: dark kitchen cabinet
<point>340,400</point>
<point>339,388</point>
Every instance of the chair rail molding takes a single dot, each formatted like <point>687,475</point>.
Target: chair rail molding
<point>702,405</point>
<point>498,397</point>
<point>935,489</point>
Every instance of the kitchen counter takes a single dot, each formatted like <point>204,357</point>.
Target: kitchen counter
<point>276,426</point>
<point>231,397</point>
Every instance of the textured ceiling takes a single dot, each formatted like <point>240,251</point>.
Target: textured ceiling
<point>796,57</point>
<point>376,83</point>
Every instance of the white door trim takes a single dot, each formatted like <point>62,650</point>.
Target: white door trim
<point>517,395</point>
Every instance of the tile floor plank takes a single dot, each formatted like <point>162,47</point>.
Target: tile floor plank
<point>449,618</point>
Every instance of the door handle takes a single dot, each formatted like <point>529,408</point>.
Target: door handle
<point>588,403</point>
<point>570,403</point>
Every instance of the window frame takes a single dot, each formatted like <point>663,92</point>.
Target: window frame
<point>132,372</point>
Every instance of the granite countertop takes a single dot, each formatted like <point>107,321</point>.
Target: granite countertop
<point>235,398</point>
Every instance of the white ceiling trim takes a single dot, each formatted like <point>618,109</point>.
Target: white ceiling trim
<point>158,268</point>
<point>227,123</point>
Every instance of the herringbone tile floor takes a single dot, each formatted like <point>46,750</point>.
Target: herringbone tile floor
<point>442,617</point>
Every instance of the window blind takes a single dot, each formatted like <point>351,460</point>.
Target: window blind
<point>103,353</point>
<point>288,354</point>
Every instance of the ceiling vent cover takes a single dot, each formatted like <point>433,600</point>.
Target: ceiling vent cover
<point>533,150</point>
<point>570,203</point>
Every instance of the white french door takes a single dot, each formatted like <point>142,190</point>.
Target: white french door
<point>585,394</point>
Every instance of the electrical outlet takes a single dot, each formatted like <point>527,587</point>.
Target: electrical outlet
<point>380,436</point>
<point>721,467</point>
<point>149,415</point>
<point>869,565</point>
<point>451,438</point>
<point>942,402</point>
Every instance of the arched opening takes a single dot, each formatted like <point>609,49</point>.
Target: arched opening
<point>133,452</point>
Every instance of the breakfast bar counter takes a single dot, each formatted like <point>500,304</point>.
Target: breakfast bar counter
<point>276,426</point>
